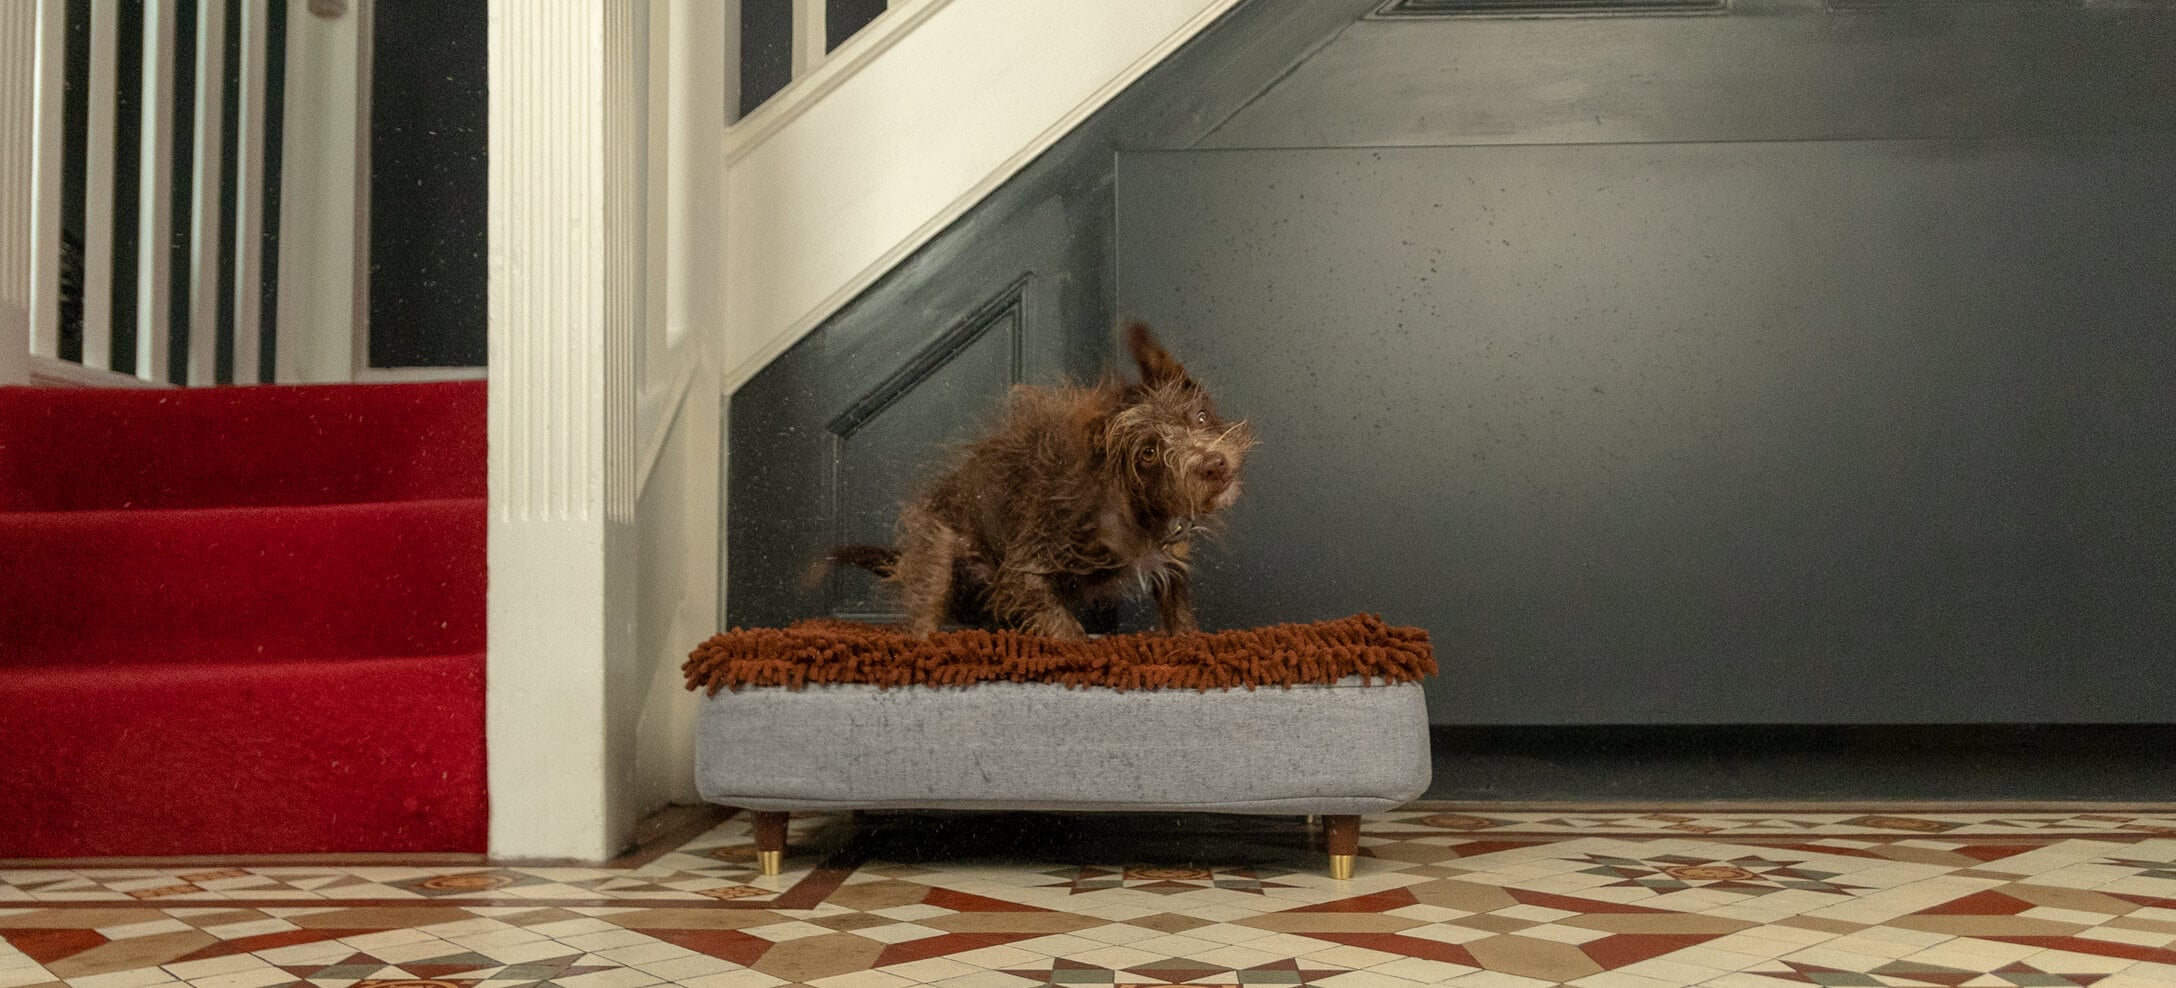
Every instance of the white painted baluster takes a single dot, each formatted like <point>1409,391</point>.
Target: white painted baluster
<point>18,121</point>
<point>324,200</point>
<point>155,199</point>
<point>98,190</point>
<point>249,194</point>
<point>809,48</point>
<point>45,172</point>
<point>204,229</point>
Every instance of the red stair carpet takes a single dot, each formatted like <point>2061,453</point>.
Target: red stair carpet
<point>241,620</point>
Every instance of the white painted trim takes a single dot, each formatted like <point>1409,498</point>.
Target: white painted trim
<point>655,368</point>
<point>702,87</point>
<point>206,233</point>
<point>677,413</point>
<point>364,17</point>
<point>808,36</point>
<point>412,375</point>
<point>18,119</point>
<point>15,356</point>
<point>53,372</point>
<point>314,332</point>
<point>854,182</point>
<point>805,91</point>
<point>98,189</point>
<point>249,192</point>
<point>155,196</point>
<point>45,172</point>
<point>562,538</point>
<point>655,413</point>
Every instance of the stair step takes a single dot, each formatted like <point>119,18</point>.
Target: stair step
<point>371,754</point>
<point>242,584</point>
<point>71,449</point>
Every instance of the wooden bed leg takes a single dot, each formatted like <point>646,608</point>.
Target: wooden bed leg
<point>1343,834</point>
<point>770,841</point>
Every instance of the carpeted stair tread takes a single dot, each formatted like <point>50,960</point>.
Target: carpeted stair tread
<point>242,620</point>
<point>383,754</point>
<point>64,449</point>
<point>242,584</point>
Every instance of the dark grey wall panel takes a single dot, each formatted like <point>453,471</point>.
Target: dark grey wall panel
<point>1768,70</point>
<point>1754,432</point>
<point>826,441</point>
<point>895,435</point>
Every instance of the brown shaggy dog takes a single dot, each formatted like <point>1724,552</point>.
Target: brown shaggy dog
<point>1079,496</point>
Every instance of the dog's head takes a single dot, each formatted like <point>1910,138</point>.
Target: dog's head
<point>1175,452</point>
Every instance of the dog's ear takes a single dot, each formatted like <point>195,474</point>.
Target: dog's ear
<point>1158,367</point>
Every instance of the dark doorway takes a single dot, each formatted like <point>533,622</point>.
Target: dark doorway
<point>429,183</point>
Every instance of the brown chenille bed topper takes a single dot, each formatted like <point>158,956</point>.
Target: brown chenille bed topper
<point>827,651</point>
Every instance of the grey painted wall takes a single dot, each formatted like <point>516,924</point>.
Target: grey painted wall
<point>1785,323</point>
<point>1773,432</point>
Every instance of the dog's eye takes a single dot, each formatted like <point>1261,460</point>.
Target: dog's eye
<point>1201,418</point>
<point>1148,454</point>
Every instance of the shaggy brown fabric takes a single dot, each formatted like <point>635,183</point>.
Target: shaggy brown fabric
<point>829,651</point>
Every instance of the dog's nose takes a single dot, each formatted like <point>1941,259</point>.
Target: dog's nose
<point>1215,468</point>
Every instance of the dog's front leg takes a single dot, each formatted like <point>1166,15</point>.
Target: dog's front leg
<point>927,548</point>
<point>1175,603</point>
<point>1027,599</point>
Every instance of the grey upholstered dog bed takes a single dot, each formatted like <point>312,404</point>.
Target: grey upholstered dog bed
<point>1336,750</point>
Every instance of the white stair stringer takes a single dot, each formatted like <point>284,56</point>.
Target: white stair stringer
<point>844,174</point>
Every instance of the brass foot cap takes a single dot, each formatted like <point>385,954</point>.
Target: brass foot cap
<point>1341,866</point>
<point>772,862</point>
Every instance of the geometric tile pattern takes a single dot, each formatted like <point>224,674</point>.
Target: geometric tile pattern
<point>1456,895</point>
<point>1748,875</point>
<point>1166,880</point>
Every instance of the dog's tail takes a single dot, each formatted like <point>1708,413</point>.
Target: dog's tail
<point>874,558</point>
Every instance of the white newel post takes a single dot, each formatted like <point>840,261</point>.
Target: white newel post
<point>564,308</point>
<point>18,61</point>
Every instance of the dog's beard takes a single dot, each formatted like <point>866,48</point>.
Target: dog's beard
<point>1196,496</point>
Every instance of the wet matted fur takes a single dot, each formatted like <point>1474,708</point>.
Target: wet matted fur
<point>825,651</point>
<point>1078,496</point>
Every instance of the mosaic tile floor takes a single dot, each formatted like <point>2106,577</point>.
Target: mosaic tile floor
<point>1442,895</point>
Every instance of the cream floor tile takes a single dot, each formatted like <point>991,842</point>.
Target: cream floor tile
<point>1176,945</point>
<point>864,979</point>
<point>1976,954</point>
<point>1667,968</point>
<point>257,978</point>
<point>1421,970</point>
<point>213,967</point>
<point>142,977</point>
<point>690,966</point>
<point>733,979</point>
<point>1352,957</point>
<point>985,979</point>
<point>625,977</point>
<point>637,955</point>
<point>1118,958</point>
<point>1495,979</point>
<point>1621,979</point>
<point>998,957</point>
